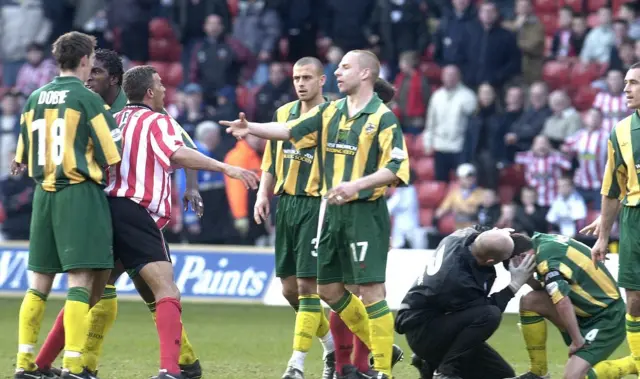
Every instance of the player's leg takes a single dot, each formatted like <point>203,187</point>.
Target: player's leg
<point>486,363</point>
<point>84,239</point>
<point>43,261</point>
<point>188,361</point>
<point>628,267</point>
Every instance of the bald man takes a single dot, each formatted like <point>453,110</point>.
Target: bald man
<point>447,315</point>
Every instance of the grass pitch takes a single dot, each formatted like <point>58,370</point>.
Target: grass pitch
<point>236,341</point>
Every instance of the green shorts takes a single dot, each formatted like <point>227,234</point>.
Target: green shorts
<point>604,333</point>
<point>629,249</point>
<point>355,243</point>
<point>296,229</point>
<point>70,229</point>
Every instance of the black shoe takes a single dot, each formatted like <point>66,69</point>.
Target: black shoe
<point>530,375</point>
<point>163,374</point>
<point>192,371</point>
<point>422,366</point>
<point>397,355</point>
<point>329,369</point>
<point>292,373</point>
<point>85,374</point>
<point>372,374</point>
<point>348,372</point>
<point>37,374</point>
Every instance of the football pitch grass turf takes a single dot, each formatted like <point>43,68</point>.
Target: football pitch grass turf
<point>237,341</point>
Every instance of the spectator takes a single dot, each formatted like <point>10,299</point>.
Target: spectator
<point>507,216</point>
<point>489,210</point>
<point>9,127</point>
<point>543,169</point>
<point>453,30</point>
<point>529,216</point>
<point>567,209</point>
<point>621,30</point>
<point>589,146</point>
<point>90,17</point>
<point>258,27</point>
<point>215,226</point>
<point>196,111</point>
<point>447,117</point>
<point>629,12</point>
<point>277,92</point>
<point>597,45</point>
<point>562,45</point>
<point>404,208</point>
<point>398,26</point>
<point>218,59</point>
<point>37,71</point>
<point>301,22</point>
<point>530,35</point>
<point>246,154</point>
<point>330,89</point>
<point>579,31</point>
<point>17,200</point>
<point>523,131</point>
<point>565,120</point>
<point>413,94</point>
<point>21,23</point>
<point>625,56</point>
<point>463,200</point>
<point>178,107</point>
<point>131,18</point>
<point>342,24</point>
<point>612,102</point>
<point>491,52</point>
<point>483,137</point>
<point>514,109</point>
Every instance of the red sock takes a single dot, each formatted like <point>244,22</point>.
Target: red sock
<point>360,355</point>
<point>343,339</point>
<point>169,327</point>
<point>53,345</point>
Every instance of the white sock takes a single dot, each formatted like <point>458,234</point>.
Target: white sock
<point>297,360</point>
<point>25,348</point>
<point>327,344</point>
<point>72,354</point>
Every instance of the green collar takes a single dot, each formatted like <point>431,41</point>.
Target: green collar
<point>635,121</point>
<point>371,107</point>
<point>67,79</point>
<point>295,109</point>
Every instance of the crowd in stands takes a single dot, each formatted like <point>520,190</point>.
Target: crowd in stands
<point>506,105</point>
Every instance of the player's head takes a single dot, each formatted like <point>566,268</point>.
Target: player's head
<point>142,84</point>
<point>522,243</point>
<point>492,247</point>
<point>384,89</point>
<point>106,73</point>
<point>632,86</point>
<point>308,78</point>
<point>73,53</point>
<point>357,68</point>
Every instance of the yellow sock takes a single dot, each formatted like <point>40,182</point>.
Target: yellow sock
<point>30,319</point>
<point>633,338</point>
<point>101,319</point>
<point>187,354</point>
<point>382,333</point>
<point>613,369</point>
<point>354,314</point>
<point>76,326</point>
<point>534,331</point>
<point>323,327</point>
<point>307,321</point>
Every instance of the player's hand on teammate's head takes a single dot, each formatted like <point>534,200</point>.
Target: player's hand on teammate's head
<point>17,168</point>
<point>249,178</point>
<point>192,196</point>
<point>238,128</point>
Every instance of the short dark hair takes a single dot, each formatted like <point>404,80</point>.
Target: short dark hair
<point>313,61</point>
<point>112,62</point>
<point>521,243</point>
<point>384,89</point>
<point>137,81</point>
<point>70,47</point>
<point>634,66</point>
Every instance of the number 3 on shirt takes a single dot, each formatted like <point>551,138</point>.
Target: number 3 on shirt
<point>55,147</point>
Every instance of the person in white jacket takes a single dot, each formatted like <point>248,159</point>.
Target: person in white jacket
<point>447,116</point>
<point>404,208</point>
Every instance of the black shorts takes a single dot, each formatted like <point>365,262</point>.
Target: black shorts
<point>137,240</point>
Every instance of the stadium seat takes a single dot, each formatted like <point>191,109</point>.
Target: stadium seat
<point>432,71</point>
<point>174,53</point>
<point>546,6</point>
<point>550,22</point>
<point>447,224</point>
<point>506,194</point>
<point>424,168</point>
<point>174,74</point>
<point>575,4</point>
<point>428,53</point>
<point>233,7</point>
<point>159,49</point>
<point>594,5</point>
<point>583,74</point>
<point>556,74</point>
<point>160,28</point>
<point>431,194</point>
<point>512,176</point>
<point>161,67</point>
<point>426,217</point>
<point>584,97</point>
<point>170,94</point>
<point>592,20</point>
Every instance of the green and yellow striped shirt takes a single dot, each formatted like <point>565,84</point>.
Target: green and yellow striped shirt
<point>66,135</point>
<point>297,172</point>
<point>623,162</point>
<point>564,266</point>
<point>353,147</point>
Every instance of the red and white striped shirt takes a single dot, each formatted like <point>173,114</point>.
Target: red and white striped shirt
<point>148,141</point>
<point>543,173</point>
<point>590,147</point>
<point>613,108</point>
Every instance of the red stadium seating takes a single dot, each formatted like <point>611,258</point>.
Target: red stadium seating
<point>431,194</point>
<point>583,99</point>
<point>432,71</point>
<point>447,224</point>
<point>546,6</point>
<point>512,176</point>
<point>556,74</point>
<point>233,7</point>
<point>550,22</point>
<point>594,5</point>
<point>575,4</point>
<point>583,74</point>
<point>174,74</point>
<point>506,194</point>
<point>159,49</point>
<point>592,20</point>
<point>169,95</point>
<point>160,28</point>
<point>161,67</point>
<point>424,169</point>
<point>174,53</point>
<point>426,217</point>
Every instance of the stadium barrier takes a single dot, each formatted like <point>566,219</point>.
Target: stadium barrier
<point>240,274</point>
